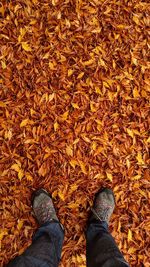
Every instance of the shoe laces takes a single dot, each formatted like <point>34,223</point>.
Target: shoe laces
<point>44,212</point>
<point>102,212</point>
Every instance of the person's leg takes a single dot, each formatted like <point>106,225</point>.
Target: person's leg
<point>45,250</point>
<point>102,250</point>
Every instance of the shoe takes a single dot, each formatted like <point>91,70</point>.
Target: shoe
<point>43,207</point>
<point>104,205</point>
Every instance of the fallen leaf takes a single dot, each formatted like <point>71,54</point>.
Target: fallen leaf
<point>70,72</point>
<point>26,46</point>
<point>69,151</point>
<point>109,176</point>
<point>73,163</point>
<point>83,166</point>
<point>139,158</point>
<point>61,195</point>
<point>24,122</point>
<point>56,126</point>
<point>15,167</point>
<point>75,105</point>
<point>129,235</point>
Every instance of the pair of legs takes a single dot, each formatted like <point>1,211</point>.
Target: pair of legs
<point>45,250</point>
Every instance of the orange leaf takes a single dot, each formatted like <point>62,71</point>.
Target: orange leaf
<point>83,167</point>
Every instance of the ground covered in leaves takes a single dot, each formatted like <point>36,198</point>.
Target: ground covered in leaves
<point>74,92</point>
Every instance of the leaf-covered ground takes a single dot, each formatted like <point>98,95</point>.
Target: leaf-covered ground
<point>74,90</point>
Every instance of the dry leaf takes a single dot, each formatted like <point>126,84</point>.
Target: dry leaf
<point>26,46</point>
<point>83,166</point>
<point>73,163</point>
<point>109,176</point>
<point>129,235</point>
<point>24,122</point>
<point>75,105</point>
<point>70,72</point>
<point>56,126</point>
<point>74,87</point>
<point>139,158</point>
<point>69,151</point>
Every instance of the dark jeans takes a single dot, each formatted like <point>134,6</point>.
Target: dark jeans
<point>46,247</point>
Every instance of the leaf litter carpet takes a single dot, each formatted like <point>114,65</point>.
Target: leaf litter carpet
<point>74,99</point>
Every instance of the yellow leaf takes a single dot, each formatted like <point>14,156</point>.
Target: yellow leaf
<point>22,34</point>
<point>75,105</point>
<point>62,58</point>
<point>139,158</point>
<point>136,19</point>
<point>15,167</point>
<point>20,174</point>
<point>148,140</point>
<point>2,104</point>
<point>135,93</point>
<point>98,150</point>
<point>8,134</point>
<point>32,22</point>
<point>129,235</point>
<point>2,9</point>
<point>111,95</point>
<point>109,176</point>
<point>79,259</point>
<point>121,26</point>
<point>76,141</point>
<point>97,90</point>
<point>24,122</point>
<point>73,205</point>
<point>135,61</point>
<point>105,84</point>
<point>130,132</point>
<point>143,193</point>
<point>20,224</point>
<point>70,72</point>
<point>73,188</point>
<point>51,97</point>
<point>105,136</point>
<point>128,163</point>
<point>136,177</point>
<point>94,145</point>
<point>136,132</point>
<point>82,166</point>
<point>32,111</point>
<point>3,233</point>
<point>69,151</point>
<point>65,116</point>
<point>46,56</point>
<point>92,106</point>
<point>80,75</point>
<point>51,65</point>
<point>61,195</point>
<point>132,250</point>
<point>3,65</point>
<point>88,62</point>
<point>73,163</point>
<point>26,46</point>
<point>56,126</point>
